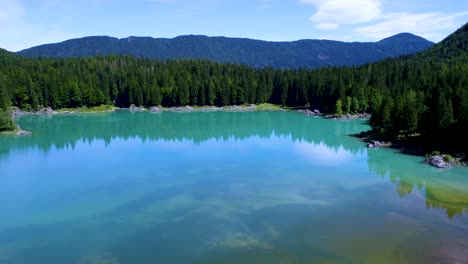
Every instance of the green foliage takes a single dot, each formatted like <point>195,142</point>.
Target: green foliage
<point>94,109</point>
<point>6,124</point>
<point>448,158</point>
<point>338,108</point>
<point>356,106</point>
<point>349,103</point>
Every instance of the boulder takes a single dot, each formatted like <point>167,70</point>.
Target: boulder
<point>438,162</point>
<point>378,144</point>
<point>308,112</point>
<point>46,111</point>
<point>24,133</point>
<point>134,108</point>
<point>156,109</point>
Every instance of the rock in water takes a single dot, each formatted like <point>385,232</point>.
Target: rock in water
<point>378,144</point>
<point>24,133</point>
<point>438,162</point>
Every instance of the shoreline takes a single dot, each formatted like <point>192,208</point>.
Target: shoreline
<point>432,158</point>
<point>373,142</point>
<point>48,111</point>
<point>16,112</point>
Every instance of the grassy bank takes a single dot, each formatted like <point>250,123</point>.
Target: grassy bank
<point>95,109</point>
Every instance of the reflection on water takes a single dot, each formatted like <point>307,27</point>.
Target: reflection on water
<point>447,189</point>
<point>221,188</point>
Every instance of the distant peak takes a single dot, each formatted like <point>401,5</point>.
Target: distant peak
<point>405,37</point>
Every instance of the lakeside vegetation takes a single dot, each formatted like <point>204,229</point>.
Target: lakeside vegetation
<point>94,109</point>
<point>424,95</point>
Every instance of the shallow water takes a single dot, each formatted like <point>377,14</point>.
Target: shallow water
<point>260,187</point>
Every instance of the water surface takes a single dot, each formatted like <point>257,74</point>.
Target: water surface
<point>260,187</point>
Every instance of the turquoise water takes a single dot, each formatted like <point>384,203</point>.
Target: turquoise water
<point>260,187</point>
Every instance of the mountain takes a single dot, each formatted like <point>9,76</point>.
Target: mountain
<point>303,53</point>
<point>452,48</point>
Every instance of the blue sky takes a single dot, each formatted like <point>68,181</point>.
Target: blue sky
<point>26,23</point>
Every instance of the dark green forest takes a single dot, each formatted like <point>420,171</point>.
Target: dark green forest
<point>308,54</point>
<point>424,95</point>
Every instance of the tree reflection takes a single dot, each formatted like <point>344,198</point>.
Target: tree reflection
<point>443,189</point>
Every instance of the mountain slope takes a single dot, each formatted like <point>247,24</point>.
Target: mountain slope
<point>256,53</point>
<point>454,47</point>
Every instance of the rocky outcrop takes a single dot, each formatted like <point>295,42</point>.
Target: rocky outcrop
<point>181,109</point>
<point>43,111</point>
<point>134,108</point>
<point>439,161</point>
<point>349,116</point>
<point>309,112</point>
<point>379,144</point>
<point>155,109</point>
<point>24,133</point>
<point>237,108</point>
<point>233,108</point>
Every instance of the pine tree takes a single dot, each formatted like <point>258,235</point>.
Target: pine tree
<point>339,108</point>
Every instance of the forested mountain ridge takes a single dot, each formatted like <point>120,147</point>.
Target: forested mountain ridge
<point>256,53</point>
<point>423,96</point>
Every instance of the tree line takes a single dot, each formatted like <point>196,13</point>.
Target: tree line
<point>417,95</point>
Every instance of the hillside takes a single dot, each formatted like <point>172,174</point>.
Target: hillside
<point>452,48</point>
<point>303,53</point>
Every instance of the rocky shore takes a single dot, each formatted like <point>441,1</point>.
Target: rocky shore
<point>233,108</point>
<point>378,144</point>
<point>443,161</point>
<point>18,112</point>
<point>309,112</point>
<point>435,159</point>
<point>349,116</point>
<point>316,112</point>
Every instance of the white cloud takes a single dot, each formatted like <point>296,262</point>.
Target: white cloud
<point>333,13</point>
<point>372,22</point>
<point>427,25</point>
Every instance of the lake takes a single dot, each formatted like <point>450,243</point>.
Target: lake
<point>256,187</point>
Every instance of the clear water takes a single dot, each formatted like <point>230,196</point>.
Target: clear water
<point>221,188</point>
